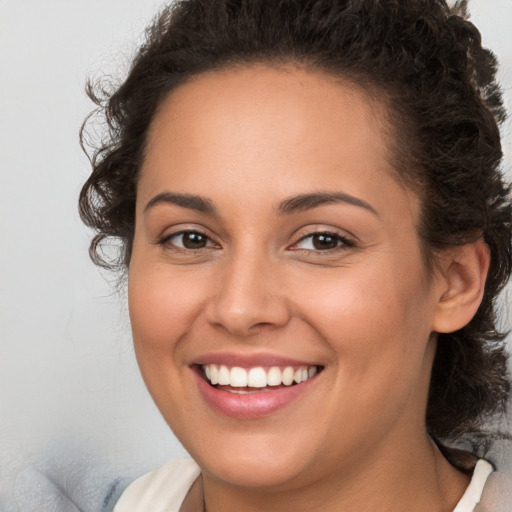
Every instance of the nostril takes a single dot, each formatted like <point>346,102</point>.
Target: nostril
<point>245,300</point>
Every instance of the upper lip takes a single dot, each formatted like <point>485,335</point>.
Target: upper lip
<point>250,360</point>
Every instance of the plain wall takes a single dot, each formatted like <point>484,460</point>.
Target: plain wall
<point>69,385</point>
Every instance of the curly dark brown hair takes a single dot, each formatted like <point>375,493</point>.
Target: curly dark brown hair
<point>425,61</point>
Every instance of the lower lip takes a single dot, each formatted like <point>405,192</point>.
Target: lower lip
<point>251,405</point>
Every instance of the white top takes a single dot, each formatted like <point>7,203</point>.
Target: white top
<point>164,489</point>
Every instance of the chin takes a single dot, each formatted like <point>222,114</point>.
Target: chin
<point>256,474</point>
<point>253,463</point>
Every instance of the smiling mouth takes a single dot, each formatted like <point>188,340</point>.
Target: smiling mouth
<point>256,379</point>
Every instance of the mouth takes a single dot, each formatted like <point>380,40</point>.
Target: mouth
<point>254,386</point>
<point>257,379</point>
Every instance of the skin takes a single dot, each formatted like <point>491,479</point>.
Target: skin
<point>246,140</point>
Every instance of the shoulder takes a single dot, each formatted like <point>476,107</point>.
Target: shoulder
<point>162,489</point>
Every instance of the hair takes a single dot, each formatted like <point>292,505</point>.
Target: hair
<point>424,60</point>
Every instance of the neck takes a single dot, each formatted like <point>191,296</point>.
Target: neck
<point>390,482</point>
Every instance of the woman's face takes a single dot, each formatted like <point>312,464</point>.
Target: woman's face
<point>272,242</point>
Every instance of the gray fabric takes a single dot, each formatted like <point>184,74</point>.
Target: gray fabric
<point>63,484</point>
<point>67,488</point>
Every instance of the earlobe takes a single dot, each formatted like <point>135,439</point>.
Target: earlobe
<point>461,281</point>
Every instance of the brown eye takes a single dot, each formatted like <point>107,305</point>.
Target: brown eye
<point>189,240</point>
<point>323,241</point>
<point>194,240</point>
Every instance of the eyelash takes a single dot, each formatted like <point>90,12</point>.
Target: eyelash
<point>341,241</point>
<point>167,240</point>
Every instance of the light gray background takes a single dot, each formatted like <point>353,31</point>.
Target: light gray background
<point>69,385</point>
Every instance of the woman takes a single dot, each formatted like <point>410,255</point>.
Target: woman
<point>315,231</point>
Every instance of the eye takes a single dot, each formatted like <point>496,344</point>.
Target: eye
<point>190,240</point>
<point>323,241</point>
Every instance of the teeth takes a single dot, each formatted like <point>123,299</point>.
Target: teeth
<point>224,376</point>
<point>288,375</point>
<point>214,374</point>
<point>257,377</point>
<point>238,377</point>
<point>274,376</point>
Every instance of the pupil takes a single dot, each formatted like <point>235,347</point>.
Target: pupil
<point>194,240</point>
<point>324,242</point>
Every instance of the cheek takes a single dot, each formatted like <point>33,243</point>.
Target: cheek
<point>161,305</point>
<point>376,317</point>
<point>162,309</point>
<point>377,332</point>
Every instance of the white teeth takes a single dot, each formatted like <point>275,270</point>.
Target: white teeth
<point>224,378</point>
<point>288,375</point>
<point>238,377</point>
<point>257,377</point>
<point>274,376</point>
<point>214,374</point>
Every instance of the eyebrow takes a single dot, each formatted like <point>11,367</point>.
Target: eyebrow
<point>304,202</point>
<point>190,201</point>
<point>298,203</point>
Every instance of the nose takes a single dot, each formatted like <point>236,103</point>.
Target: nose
<point>249,297</point>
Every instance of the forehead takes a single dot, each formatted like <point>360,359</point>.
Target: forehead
<point>268,127</point>
<point>264,99</point>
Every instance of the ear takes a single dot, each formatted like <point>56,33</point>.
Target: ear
<point>460,285</point>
